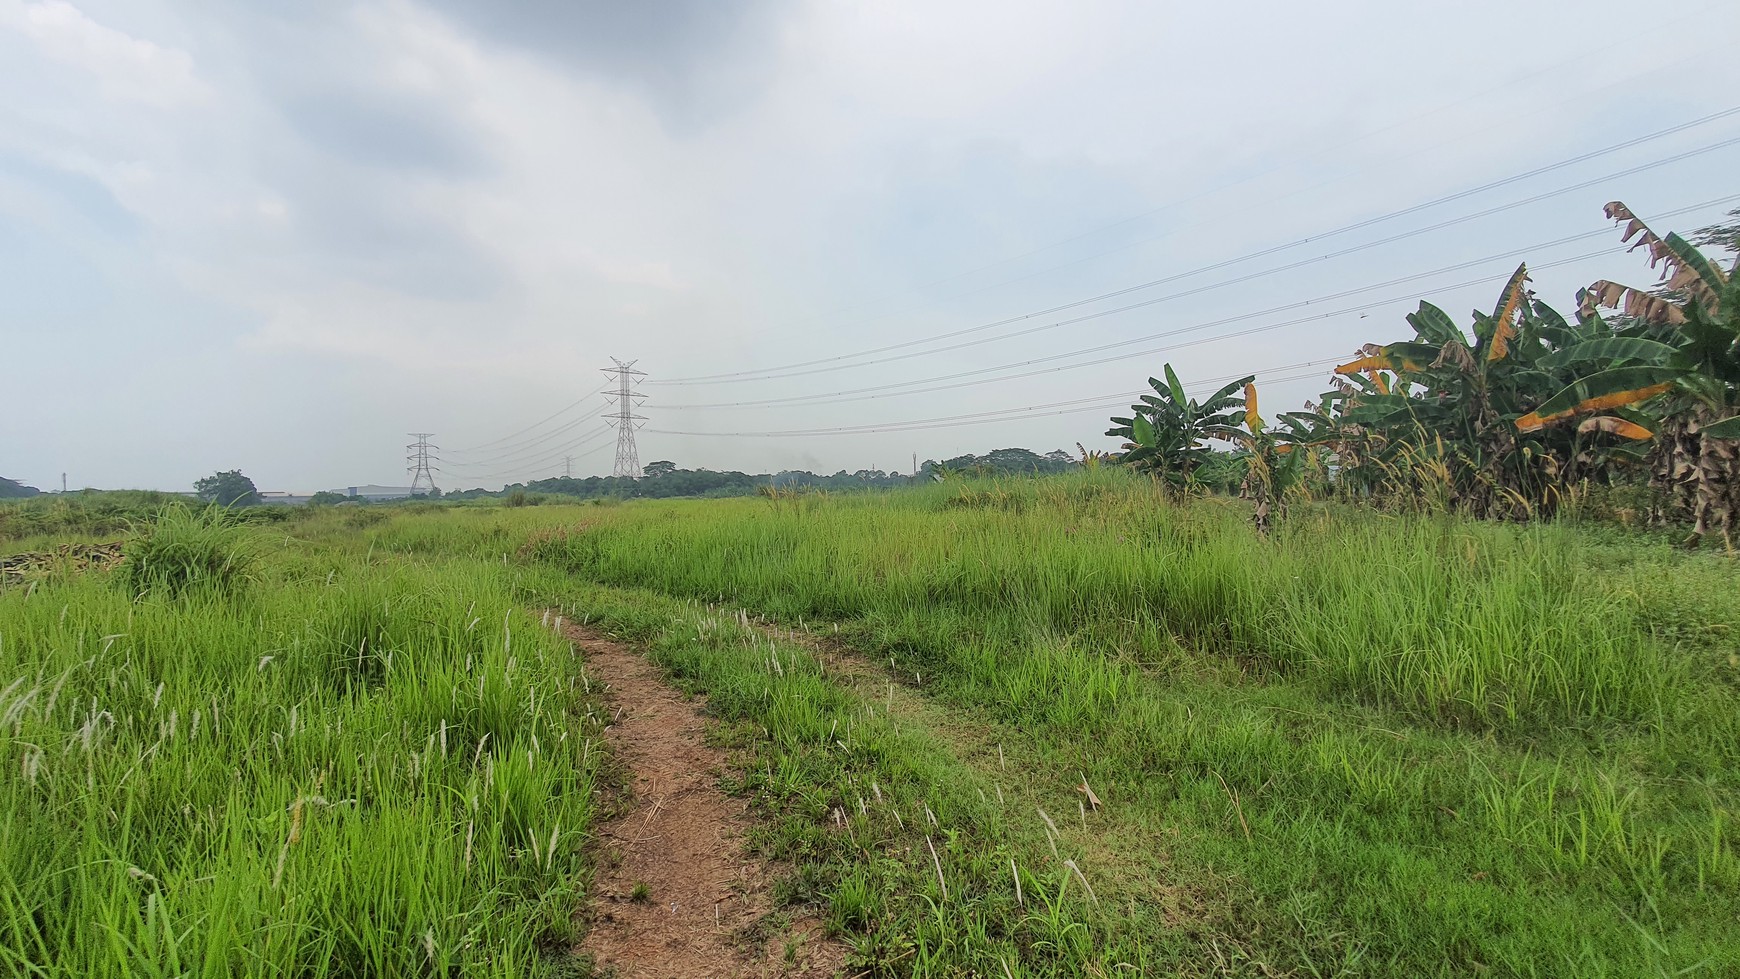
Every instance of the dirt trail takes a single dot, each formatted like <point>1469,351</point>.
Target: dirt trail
<point>701,909</point>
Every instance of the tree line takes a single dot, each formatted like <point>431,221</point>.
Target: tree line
<point>664,479</point>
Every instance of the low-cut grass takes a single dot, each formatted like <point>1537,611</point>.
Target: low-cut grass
<point>337,765</point>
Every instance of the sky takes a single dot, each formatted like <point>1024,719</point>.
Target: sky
<point>280,237</point>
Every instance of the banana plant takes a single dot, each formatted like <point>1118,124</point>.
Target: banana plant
<point>1448,401</point>
<point>1167,433</point>
<point>1276,463</point>
<point>1672,373</point>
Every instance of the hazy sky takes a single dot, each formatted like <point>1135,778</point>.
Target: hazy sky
<point>278,237</point>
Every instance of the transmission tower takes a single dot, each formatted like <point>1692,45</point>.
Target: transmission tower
<point>624,401</point>
<point>422,461</point>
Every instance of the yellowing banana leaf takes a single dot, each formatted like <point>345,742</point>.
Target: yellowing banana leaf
<point>1504,317</point>
<point>1364,364</point>
<point>1390,359</point>
<point>1253,421</point>
<point>1598,392</point>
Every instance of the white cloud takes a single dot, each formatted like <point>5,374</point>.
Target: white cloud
<point>128,68</point>
<point>425,215</point>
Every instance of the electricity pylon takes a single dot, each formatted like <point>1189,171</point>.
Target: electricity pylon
<point>624,419</point>
<point>422,461</point>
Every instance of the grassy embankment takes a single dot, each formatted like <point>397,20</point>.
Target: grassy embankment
<point>1374,745</point>
<point>244,755</point>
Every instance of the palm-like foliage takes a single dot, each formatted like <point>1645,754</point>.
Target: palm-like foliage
<point>1677,360</point>
<point>1276,462</point>
<point>1440,407</point>
<point>1167,433</point>
<point>1499,420</point>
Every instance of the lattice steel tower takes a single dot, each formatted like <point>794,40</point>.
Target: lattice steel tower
<point>622,416</point>
<point>422,461</point>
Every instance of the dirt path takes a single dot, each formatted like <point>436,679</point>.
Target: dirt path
<point>676,892</point>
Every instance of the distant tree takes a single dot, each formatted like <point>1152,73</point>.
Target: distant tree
<point>12,489</point>
<point>326,497</point>
<point>660,468</point>
<point>1003,462</point>
<point>228,489</point>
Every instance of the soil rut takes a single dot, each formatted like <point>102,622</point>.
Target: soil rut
<point>676,892</point>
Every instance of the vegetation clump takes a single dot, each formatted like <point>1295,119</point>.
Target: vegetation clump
<point>185,549</point>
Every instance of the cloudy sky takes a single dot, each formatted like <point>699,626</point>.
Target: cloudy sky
<point>278,237</point>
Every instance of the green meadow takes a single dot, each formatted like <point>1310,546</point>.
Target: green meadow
<point>1037,727</point>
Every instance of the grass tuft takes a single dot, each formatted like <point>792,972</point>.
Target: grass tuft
<point>184,549</point>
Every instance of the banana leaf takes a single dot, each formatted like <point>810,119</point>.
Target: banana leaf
<point>1727,428</point>
<point>1504,315</point>
<point>1606,389</point>
<point>1434,325</point>
<point>1178,396</point>
<point>1609,350</point>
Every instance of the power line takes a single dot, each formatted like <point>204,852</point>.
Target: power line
<point>528,445</point>
<point>1006,414</point>
<point>795,369</point>
<point>589,396</point>
<point>533,475</point>
<point>548,472</point>
<point>1454,138</point>
<point>839,397</point>
<point>537,456</point>
<point>952,420</point>
<point>561,452</point>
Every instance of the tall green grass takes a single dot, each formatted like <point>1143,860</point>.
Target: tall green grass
<point>185,549</point>
<point>1461,622</point>
<point>1371,745</point>
<point>340,766</point>
<point>1420,746</point>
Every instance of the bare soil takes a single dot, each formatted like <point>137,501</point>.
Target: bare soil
<point>677,893</point>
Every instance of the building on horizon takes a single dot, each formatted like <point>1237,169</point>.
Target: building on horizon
<point>372,493</point>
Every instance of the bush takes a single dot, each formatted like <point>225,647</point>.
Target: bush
<point>183,549</point>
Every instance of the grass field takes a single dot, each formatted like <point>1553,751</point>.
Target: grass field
<point>284,759</point>
<point>1371,745</point>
